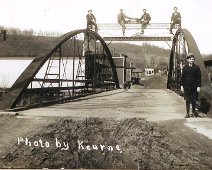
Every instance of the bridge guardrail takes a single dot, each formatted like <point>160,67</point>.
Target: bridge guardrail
<point>134,25</point>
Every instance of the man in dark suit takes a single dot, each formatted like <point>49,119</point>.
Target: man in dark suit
<point>145,18</point>
<point>175,19</point>
<point>91,20</point>
<point>190,84</point>
<point>121,20</point>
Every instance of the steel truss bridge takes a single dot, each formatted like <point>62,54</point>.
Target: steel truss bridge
<point>77,64</point>
<point>182,44</point>
<point>80,63</point>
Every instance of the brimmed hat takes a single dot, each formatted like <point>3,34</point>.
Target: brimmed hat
<point>189,55</point>
<point>89,10</point>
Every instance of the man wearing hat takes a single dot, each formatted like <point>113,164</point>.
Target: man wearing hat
<point>190,84</point>
<point>121,20</point>
<point>91,20</point>
<point>175,19</point>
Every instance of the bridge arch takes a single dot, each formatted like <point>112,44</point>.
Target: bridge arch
<point>76,64</point>
<point>182,44</point>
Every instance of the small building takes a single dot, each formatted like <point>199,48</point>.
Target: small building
<point>149,71</point>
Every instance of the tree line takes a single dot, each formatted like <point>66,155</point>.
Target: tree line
<point>17,32</point>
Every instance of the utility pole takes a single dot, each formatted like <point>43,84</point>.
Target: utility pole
<point>131,64</point>
<point>125,66</point>
<point>3,35</point>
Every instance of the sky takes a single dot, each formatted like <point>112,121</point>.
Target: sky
<point>66,15</point>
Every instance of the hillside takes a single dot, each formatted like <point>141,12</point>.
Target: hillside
<point>31,46</point>
<point>142,55</point>
<point>137,49</point>
<point>24,46</point>
<point>207,57</point>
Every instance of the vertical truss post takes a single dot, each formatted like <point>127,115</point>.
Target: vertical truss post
<point>73,90</point>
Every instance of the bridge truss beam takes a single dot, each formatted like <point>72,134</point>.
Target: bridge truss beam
<point>138,38</point>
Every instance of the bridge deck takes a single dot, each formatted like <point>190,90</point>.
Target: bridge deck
<point>141,103</point>
<point>151,104</point>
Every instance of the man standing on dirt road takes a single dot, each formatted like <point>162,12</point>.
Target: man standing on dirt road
<point>190,84</point>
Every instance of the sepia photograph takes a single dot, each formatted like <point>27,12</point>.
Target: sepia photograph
<point>106,84</point>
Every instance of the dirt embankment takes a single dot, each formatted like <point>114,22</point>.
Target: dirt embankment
<point>117,138</point>
<point>128,143</point>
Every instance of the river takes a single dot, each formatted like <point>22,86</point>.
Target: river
<point>12,67</point>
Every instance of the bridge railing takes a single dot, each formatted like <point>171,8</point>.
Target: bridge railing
<point>133,29</point>
<point>112,26</point>
<point>132,24</point>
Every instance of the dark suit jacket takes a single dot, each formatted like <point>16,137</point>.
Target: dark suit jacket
<point>191,77</point>
<point>146,17</point>
<point>90,18</point>
<point>176,17</point>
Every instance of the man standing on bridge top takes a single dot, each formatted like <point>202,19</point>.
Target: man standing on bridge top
<point>175,19</point>
<point>121,20</point>
<point>145,18</point>
<point>190,84</point>
<point>91,20</point>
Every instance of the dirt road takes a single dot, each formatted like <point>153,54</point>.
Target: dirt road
<point>138,128</point>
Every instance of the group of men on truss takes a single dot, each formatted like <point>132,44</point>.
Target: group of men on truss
<point>144,20</point>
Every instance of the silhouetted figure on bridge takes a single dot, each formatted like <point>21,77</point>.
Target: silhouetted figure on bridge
<point>127,85</point>
<point>190,84</point>
<point>145,18</point>
<point>91,21</point>
<point>121,17</point>
<point>175,19</point>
